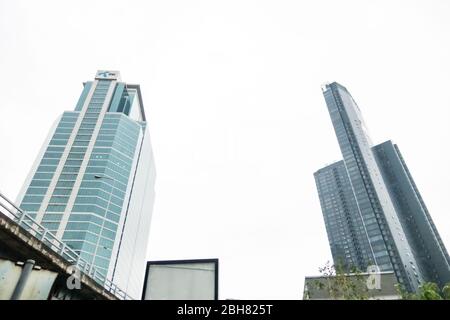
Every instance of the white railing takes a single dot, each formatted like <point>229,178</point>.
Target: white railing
<point>24,220</point>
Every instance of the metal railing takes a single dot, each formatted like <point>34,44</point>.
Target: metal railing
<point>25,221</point>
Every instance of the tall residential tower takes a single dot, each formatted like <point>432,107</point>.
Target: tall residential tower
<point>92,184</point>
<point>373,212</point>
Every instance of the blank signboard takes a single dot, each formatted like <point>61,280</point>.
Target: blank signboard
<point>181,280</point>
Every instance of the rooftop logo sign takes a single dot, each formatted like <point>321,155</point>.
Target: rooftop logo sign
<point>107,75</point>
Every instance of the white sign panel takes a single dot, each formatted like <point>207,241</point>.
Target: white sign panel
<point>181,280</point>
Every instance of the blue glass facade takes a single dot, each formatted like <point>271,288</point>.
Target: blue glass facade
<point>84,183</point>
<point>38,187</point>
<point>102,191</point>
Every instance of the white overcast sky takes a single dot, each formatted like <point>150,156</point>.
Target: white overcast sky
<point>238,121</point>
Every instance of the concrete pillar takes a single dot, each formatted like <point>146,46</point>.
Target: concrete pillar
<point>26,271</point>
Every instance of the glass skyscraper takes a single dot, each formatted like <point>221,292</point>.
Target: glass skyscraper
<point>92,184</point>
<point>373,212</point>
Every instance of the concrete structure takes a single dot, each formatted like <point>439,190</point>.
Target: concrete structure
<point>21,241</point>
<point>372,209</point>
<point>318,288</point>
<point>92,184</point>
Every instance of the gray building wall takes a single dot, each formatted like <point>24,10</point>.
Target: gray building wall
<point>423,237</point>
<point>346,231</point>
<point>382,238</point>
<point>318,288</point>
